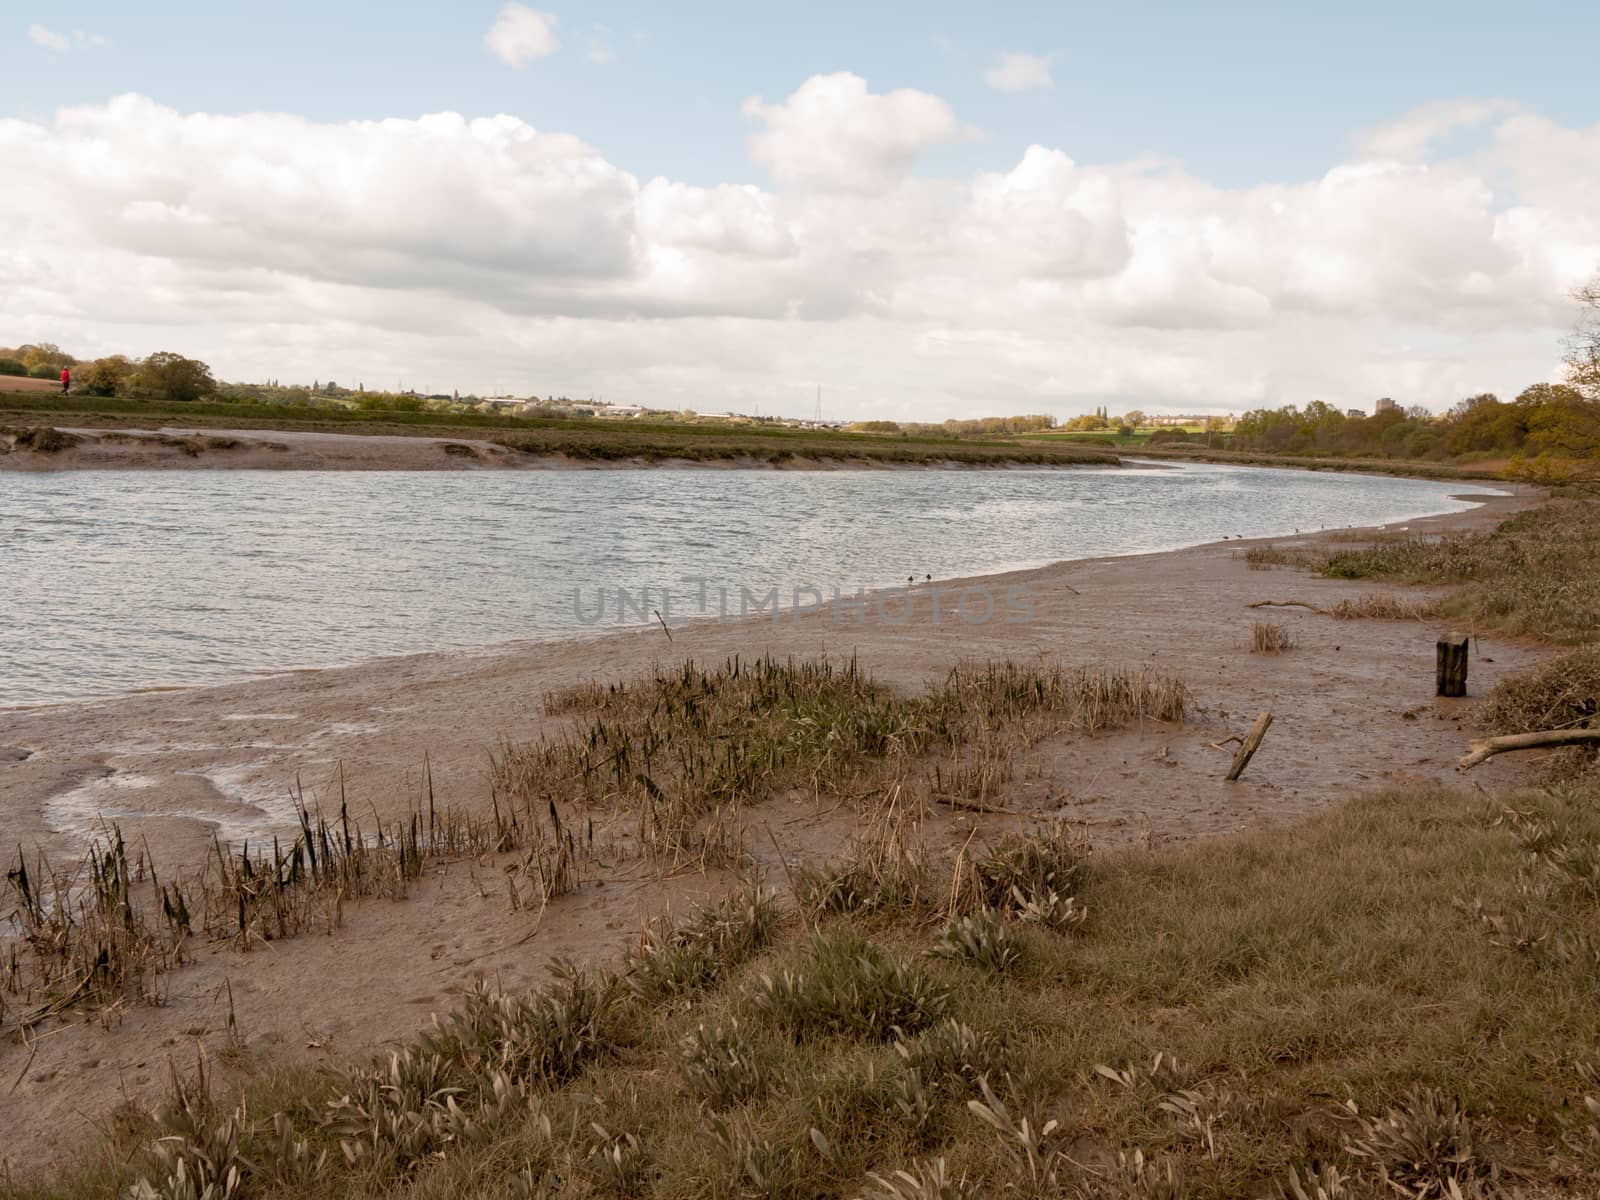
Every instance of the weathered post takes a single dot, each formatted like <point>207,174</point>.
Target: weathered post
<point>1248,747</point>
<point>1451,673</point>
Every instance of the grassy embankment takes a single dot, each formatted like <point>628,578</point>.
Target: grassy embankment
<point>590,440</point>
<point>1393,998</point>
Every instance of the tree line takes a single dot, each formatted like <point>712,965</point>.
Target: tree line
<point>159,376</point>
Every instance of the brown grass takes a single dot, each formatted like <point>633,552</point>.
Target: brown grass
<point>1386,606</point>
<point>1268,637</point>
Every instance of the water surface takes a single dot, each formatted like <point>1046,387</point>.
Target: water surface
<point>117,580</point>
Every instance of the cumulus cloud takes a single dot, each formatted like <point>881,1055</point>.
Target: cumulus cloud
<point>1016,71</point>
<point>276,245</point>
<point>41,35</point>
<point>832,134</point>
<point>521,34</point>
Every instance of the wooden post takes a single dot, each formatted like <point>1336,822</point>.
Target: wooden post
<point>1451,673</point>
<point>1248,747</point>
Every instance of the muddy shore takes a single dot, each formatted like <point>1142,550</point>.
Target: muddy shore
<point>1354,706</point>
<point>174,448</point>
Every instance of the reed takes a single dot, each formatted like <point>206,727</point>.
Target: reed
<point>1268,637</point>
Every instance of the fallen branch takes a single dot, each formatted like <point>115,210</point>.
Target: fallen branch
<point>1287,604</point>
<point>1248,747</point>
<point>1486,748</point>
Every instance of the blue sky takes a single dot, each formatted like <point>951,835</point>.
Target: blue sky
<point>714,206</point>
<point>1240,93</point>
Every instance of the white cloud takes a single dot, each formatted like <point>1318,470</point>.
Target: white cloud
<point>1015,71</point>
<point>832,134</point>
<point>466,251</point>
<point>1412,135</point>
<point>41,35</point>
<point>521,34</point>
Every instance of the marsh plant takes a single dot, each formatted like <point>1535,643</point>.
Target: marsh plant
<point>843,983</point>
<point>1269,637</point>
<point>678,959</point>
<point>1422,1146</point>
<point>981,939</point>
<point>685,751</point>
<point>721,1067</point>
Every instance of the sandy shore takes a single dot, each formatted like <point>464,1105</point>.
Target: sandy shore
<point>1354,705</point>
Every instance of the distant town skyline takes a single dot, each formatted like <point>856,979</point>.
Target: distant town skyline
<point>933,211</point>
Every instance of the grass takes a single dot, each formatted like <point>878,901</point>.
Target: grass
<point>1538,573</point>
<point>1269,637</point>
<point>1385,606</point>
<point>688,750</point>
<point>1397,994</point>
<point>110,932</point>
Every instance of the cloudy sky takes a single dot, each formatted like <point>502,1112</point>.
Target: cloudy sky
<point>929,209</point>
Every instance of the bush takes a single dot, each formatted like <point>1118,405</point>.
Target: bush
<point>12,366</point>
<point>1559,693</point>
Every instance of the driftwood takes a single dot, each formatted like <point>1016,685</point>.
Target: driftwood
<point>1248,747</point>
<point>1486,748</point>
<point>1286,604</point>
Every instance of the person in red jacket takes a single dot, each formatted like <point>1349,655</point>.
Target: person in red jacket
<point>66,380</point>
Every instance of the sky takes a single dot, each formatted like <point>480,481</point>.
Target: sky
<point>928,210</point>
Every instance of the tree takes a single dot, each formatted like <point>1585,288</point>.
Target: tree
<point>106,376</point>
<point>1134,418</point>
<point>1583,351</point>
<point>168,376</point>
<point>45,359</point>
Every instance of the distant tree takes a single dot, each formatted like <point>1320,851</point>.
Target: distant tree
<point>106,376</point>
<point>172,377</point>
<point>1583,350</point>
<point>44,359</point>
<point>1560,421</point>
<point>13,366</point>
<point>1134,418</point>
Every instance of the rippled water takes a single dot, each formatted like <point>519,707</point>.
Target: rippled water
<point>115,580</point>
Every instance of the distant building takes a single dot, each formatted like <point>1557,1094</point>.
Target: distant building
<point>1355,412</point>
<point>1385,405</point>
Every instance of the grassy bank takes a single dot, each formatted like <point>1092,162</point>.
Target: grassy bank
<point>1414,1011</point>
<point>1537,574</point>
<point>589,440</point>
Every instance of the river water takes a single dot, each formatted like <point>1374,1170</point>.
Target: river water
<point>115,580</point>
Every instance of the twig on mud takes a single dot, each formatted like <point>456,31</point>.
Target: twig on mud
<point>1287,604</point>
